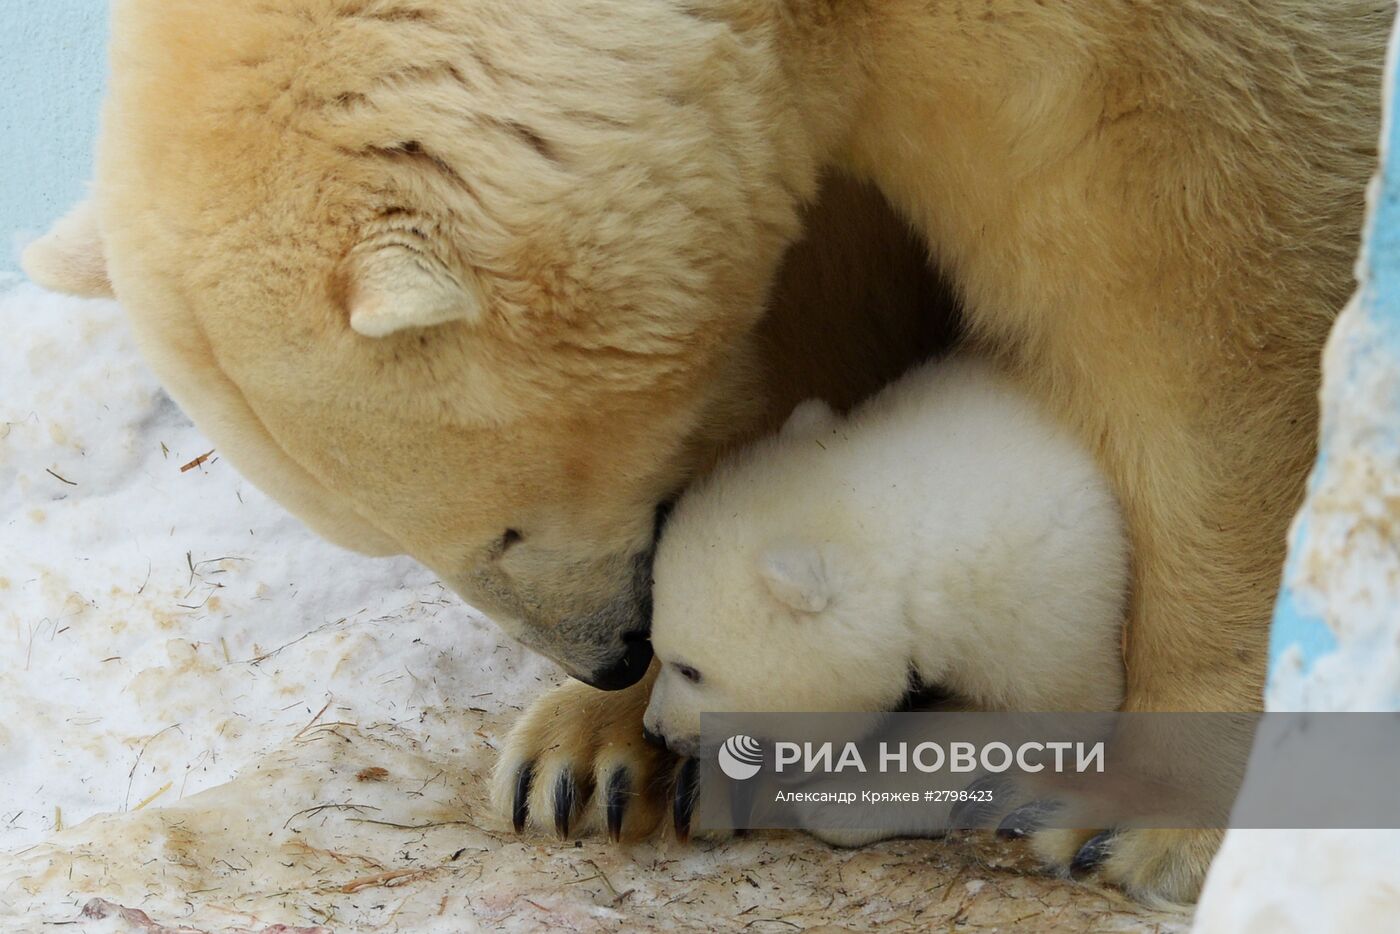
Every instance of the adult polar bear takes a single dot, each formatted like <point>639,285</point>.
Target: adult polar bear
<point>478,280</point>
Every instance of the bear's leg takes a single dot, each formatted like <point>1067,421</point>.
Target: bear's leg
<point>1208,455</point>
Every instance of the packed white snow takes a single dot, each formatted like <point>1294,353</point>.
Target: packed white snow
<point>159,625</point>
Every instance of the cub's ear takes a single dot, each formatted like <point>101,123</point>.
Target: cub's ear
<point>71,258</point>
<point>797,577</point>
<point>810,419</point>
<point>394,287</point>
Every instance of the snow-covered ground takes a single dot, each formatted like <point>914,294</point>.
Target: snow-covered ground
<point>160,624</point>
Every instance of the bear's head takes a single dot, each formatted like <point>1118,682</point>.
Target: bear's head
<point>772,595</point>
<point>472,281</point>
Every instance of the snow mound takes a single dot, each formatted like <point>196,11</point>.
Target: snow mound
<point>160,625</point>
<point>349,828</point>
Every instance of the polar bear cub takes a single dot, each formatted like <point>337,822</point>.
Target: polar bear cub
<point>947,532</point>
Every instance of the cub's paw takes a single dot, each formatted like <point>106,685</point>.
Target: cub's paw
<point>1154,866</point>
<point>576,763</point>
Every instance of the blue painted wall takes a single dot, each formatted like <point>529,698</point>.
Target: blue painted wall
<point>52,68</point>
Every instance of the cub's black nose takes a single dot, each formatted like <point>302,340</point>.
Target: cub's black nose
<point>629,667</point>
<point>653,739</point>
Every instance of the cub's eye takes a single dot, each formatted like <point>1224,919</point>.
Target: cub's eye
<point>511,537</point>
<point>688,673</point>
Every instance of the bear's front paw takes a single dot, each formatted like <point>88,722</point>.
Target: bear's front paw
<point>576,762</point>
<point>1156,867</point>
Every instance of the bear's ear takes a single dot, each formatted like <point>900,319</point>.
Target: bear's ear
<point>71,258</point>
<point>394,287</point>
<point>797,577</point>
<point>810,419</point>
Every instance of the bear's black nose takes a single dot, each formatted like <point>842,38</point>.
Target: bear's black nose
<point>654,739</point>
<point>629,667</point>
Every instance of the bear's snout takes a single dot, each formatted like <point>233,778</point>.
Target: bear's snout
<point>629,667</point>
<point>653,738</point>
<point>676,745</point>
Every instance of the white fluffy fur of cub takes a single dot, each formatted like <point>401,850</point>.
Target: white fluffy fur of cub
<point>947,529</point>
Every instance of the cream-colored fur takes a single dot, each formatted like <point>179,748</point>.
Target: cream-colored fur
<point>1149,209</point>
<point>70,257</point>
<point>947,531</point>
<point>345,183</point>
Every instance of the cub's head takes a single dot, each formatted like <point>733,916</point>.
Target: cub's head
<point>472,281</point>
<point>770,595</point>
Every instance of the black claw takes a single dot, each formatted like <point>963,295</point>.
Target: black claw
<point>975,814</point>
<point>619,790</point>
<point>683,805</point>
<point>565,795</point>
<point>523,780</point>
<point>1092,853</point>
<point>1025,820</point>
